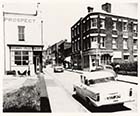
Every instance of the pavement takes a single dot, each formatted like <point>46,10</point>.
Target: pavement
<point>12,83</point>
<point>55,91</point>
<point>59,104</point>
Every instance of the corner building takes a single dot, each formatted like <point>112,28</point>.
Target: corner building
<point>23,43</point>
<point>102,38</point>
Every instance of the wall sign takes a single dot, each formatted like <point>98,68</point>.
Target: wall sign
<point>37,49</point>
<point>23,20</point>
<point>22,48</point>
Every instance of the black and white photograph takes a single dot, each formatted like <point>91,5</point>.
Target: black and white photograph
<point>69,56</point>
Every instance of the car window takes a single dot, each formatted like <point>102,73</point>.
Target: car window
<point>98,68</point>
<point>109,67</point>
<point>102,80</point>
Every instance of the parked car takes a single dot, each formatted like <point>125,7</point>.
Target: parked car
<point>101,88</point>
<point>58,68</point>
<point>104,67</point>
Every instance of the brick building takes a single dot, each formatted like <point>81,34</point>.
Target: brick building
<point>102,38</point>
<point>58,52</point>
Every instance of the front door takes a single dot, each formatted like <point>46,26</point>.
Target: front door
<point>37,60</point>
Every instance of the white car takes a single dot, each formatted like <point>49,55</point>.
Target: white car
<point>100,88</point>
<point>58,68</point>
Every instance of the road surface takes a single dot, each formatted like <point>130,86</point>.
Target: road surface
<point>63,83</point>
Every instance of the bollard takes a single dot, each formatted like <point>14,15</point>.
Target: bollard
<point>44,99</point>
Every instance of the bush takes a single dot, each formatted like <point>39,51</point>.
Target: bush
<point>26,99</point>
<point>130,68</point>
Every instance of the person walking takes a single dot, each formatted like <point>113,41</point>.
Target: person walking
<point>117,68</point>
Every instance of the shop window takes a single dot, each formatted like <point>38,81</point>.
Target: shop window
<point>93,23</point>
<point>21,36</point>
<point>21,57</point>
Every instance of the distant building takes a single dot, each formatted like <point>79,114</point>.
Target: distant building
<point>102,38</point>
<point>23,42</point>
<point>58,52</point>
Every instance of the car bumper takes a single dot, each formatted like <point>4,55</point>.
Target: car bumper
<point>98,104</point>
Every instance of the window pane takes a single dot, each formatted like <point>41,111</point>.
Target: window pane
<point>21,33</point>
<point>25,62</point>
<point>18,62</point>
<point>25,52</point>
<point>25,57</point>
<point>17,52</point>
<point>17,57</point>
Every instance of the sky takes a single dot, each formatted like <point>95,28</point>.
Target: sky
<point>59,15</point>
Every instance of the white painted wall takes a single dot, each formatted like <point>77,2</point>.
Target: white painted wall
<point>32,35</point>
<point>32,29</point>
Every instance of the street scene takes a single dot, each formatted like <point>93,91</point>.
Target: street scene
<point>71,61</point>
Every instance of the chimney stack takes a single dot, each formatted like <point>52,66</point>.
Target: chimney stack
<point>106,7</point>
<point>90,9</point>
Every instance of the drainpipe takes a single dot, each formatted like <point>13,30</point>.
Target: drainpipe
<point>3,15</point>
<point>81,52</point>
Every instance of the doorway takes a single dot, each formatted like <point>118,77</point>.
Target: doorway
<point>37,61</point>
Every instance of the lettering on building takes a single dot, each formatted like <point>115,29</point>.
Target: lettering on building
<point>22,20</point>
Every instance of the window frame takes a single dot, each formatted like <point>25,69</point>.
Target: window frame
<point>93,23</point>
<point>21,33</point>
<point>125,40</point>
<point>114,43</point>
<point>102,42</point>
<point>22,55</point>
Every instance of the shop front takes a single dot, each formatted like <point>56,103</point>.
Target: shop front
<point>25,59</point>
<point>94,58</point>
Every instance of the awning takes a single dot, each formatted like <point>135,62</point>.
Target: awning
<point>68,59</point>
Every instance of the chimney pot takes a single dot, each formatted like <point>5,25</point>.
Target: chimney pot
<point>106,7</point>
<point>90,9</point>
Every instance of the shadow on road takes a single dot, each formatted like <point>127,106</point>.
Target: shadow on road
<point>109,108</point>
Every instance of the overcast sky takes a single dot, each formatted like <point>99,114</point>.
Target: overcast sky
<point>60,15</point>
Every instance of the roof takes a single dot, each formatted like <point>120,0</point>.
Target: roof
<point>98,74</point>
<point>22,45</point>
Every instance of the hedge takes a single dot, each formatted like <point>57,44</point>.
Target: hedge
<point>130,68</point>
<point>25,99</point>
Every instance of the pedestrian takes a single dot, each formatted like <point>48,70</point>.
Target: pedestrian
<point>117,68</point>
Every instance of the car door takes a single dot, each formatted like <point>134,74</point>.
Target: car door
<point>84,88</point>
<point>79,86</point>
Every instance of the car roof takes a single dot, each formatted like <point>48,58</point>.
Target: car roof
<point>98,74</point>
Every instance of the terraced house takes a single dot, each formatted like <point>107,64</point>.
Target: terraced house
<point>102,37</point>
